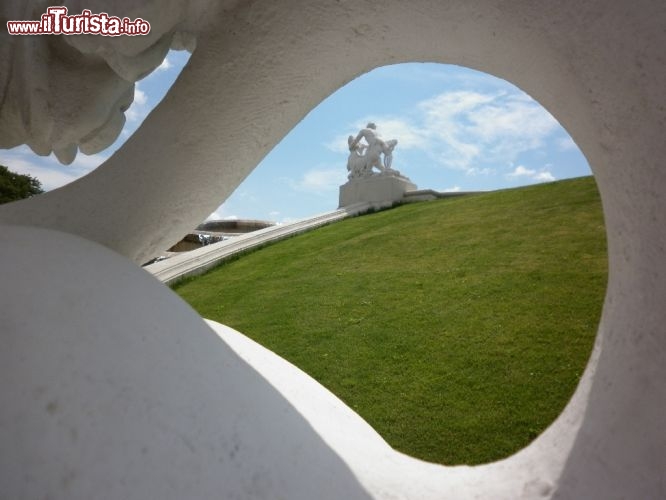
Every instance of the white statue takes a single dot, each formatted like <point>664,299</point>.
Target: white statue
<point>363,157</point>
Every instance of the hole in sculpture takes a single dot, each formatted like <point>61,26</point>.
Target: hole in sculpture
<point>51,174</point>
<point>457,328</point>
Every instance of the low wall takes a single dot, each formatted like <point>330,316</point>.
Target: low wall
<point>431,194</point>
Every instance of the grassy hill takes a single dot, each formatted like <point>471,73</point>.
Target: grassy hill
<point>457,328</point>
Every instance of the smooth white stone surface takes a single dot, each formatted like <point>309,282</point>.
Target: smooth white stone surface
<point>113,388</point>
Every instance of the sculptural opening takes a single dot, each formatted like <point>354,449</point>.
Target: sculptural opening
<point>472,106</point>
<point>476,104</point>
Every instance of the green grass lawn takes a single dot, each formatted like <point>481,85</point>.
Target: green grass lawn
<point>457,328</point>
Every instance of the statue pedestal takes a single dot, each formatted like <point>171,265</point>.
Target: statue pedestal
<point>380,190</point>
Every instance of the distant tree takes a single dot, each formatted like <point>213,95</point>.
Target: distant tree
<point>15,186</point>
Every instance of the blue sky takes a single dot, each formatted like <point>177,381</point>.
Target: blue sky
<point>457,130</point>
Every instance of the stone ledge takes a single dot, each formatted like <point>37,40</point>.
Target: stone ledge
<point>431,194</point>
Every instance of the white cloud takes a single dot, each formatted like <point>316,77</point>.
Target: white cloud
<point>466,130</point>
<point>138,110</point>
<point>88,163</point>
<point>454,189</point>
<point>217,215</point>
<point>516,117</point>
<point>544,177</point>
<point>495,128</point>
<point>480,171</point>
<point>47,169</point>
<point>442,107</point>
<point>453,153</point>
<point>166,64</point>
<point>50,179</point>
<point>409,135</point>
<point>139,96</point>
<point>339,143</point>
<point>320,181</point>
<point>528,173</point>
<point>521,171</point>
<point>222,213</point>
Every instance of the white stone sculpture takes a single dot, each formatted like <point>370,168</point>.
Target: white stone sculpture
<point>378,189</point>
<point>64,108</point>
<point>112,387</point>
<point>364,157</point>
